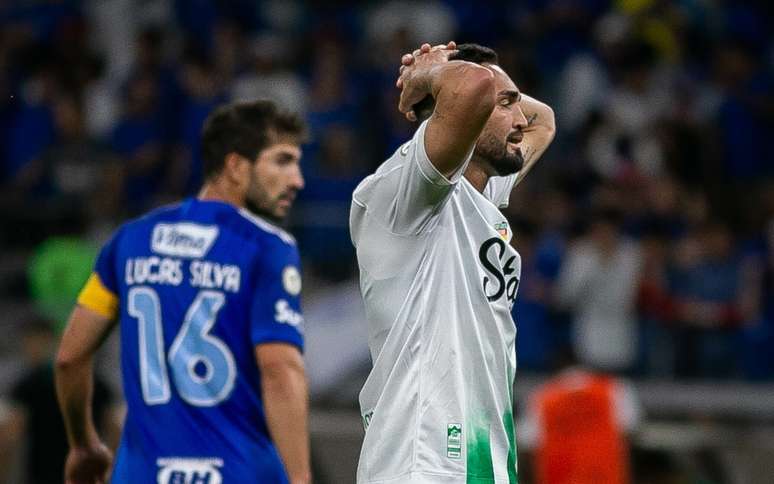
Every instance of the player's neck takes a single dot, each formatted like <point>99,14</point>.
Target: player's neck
<point>214,191</point>
<point>476,175</point>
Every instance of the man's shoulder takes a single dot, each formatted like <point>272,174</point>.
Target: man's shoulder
<point>264,231</point>
<point>390,169</point>
<point>239,223</point>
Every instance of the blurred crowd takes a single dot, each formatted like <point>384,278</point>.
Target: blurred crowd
<point>647,230</point>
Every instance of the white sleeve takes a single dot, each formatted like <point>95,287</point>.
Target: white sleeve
<point>498,189</point>
<point>406,192</point>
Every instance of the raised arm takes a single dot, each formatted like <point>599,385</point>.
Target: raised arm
<point>538,134</point>
<point>464,95</point>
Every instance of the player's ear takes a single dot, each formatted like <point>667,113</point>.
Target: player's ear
<point>236,168</point>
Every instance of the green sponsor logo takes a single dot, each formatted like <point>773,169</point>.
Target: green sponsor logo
<point>367,419</point>
<point>454,441</point>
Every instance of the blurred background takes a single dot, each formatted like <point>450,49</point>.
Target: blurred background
<point>646,231</point>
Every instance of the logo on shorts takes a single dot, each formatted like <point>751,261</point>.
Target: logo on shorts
<point>454,441</point>
<point>184,470</point>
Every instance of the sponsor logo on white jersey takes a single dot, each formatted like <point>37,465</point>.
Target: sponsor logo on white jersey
<point>502,270</point>
<point>182,470</point>
<point>183,239</point>
<point>502,229</point>
<point>367,417</point>
<point>454,440</point>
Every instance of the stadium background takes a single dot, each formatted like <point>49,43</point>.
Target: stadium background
<point>662,163</point>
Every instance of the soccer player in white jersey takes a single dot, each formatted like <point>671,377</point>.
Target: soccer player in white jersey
<point>438,274</point>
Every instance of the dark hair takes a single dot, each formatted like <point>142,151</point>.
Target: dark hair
<point>478,54</point>
<point>245,129</point>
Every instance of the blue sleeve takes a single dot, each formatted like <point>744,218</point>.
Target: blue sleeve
<point>275,315</point>
<point>105,267</point>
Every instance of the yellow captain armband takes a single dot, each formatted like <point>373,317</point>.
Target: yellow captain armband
<point>98,298</point>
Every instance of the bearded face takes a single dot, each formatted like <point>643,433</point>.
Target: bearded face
<point>275,179</point>
<point>501,151</point>
<point>498,144</point>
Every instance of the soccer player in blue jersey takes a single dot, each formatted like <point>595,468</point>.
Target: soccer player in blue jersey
<point>206,294</point>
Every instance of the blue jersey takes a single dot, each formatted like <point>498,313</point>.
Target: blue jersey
<point>195,287</point>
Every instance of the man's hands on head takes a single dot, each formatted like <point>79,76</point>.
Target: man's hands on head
<point>408,58</point>
<point>463,95</point>
<point>414,75</point>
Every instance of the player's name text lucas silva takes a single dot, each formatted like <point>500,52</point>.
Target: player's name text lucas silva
<point>171,271</point>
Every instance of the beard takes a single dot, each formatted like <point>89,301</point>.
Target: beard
<point>262,212</point>
<point>499,158</point>
<point>509,163</point>
<point>258,202</point>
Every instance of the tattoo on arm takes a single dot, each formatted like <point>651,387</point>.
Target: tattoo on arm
<point>527,155</point>
<point>531,119</point>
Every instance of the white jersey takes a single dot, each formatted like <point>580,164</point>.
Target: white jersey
<point>438,278</point>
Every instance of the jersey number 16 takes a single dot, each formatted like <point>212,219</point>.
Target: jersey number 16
<point>192,346</point>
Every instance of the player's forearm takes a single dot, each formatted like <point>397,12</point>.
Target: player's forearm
<point>286,408</point>
<point>464,96</point>
<point>538,134</point>
<point>74,373</point>
<point>463,89</point>
<point>74,388</point>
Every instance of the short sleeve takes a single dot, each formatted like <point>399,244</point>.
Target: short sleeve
<point>422,161</point>
<point>275,314</point>
<point>100,294</point>
<point>498,189</point>
<point>105,266</point>
<point>407,190</point>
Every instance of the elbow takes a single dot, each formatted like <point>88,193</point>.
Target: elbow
<point>479,90</point>
<point>278,375</point>
<point>467,93</point>
<point>550,123</point>
<point>480,82</point>
<point>66,360</point>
